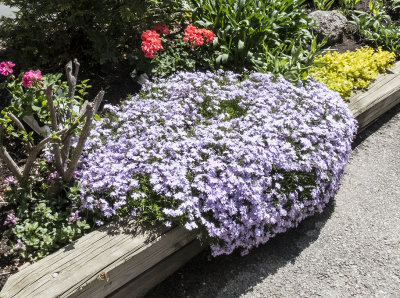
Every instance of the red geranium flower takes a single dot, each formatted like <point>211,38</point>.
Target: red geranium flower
<point>151,43</point>
<point>162,29</point>
<point>195,35</point>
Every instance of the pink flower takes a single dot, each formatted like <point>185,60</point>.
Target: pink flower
<point>151,43</point>
<point>6,68</point>
<point>30,77</point>
<point>162,29</point>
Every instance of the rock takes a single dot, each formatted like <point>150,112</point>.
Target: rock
<point>329,23</point>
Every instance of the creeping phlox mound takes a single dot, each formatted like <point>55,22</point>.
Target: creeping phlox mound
<point>241,157</point>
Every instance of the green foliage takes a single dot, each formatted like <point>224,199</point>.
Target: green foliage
<point>323,4</point>
<point>293,66</point>
<point>377,27</point>
<point>254,33</point>
<point>348,5</point>
<point>43,225</point>
<point>97,31</point>
<point>393,5</point>
<point>351,70</point>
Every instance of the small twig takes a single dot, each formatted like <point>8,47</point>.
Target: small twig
<point>20,126</point>
<point>5,273</point>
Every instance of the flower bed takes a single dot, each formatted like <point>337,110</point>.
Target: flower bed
<point>211,154</point>
<point>128,263</point>
<point>243,158</point>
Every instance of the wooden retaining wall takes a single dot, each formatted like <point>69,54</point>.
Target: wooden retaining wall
<point>128,260</point>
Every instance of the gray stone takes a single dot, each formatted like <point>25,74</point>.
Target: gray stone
<point>329,23</point>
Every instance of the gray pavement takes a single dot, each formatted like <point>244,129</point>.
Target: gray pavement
<point>352,249</point>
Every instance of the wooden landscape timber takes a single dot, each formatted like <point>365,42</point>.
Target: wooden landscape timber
<point>126,260</point>
<point>382,95</point>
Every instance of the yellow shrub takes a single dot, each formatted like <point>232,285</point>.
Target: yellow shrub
<point>344,72</point>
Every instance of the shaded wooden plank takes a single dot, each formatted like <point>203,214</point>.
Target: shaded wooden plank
<point>97,264</point>
<point>145,282</point>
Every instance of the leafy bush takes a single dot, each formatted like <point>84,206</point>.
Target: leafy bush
<point>377,27</point>
<point>44,194</point>
<point>347,5</point>
<point>97,31</point>
<point>323,4</point>
<point>351,70</point>
<point>251,32</point>
<point>242,158</point>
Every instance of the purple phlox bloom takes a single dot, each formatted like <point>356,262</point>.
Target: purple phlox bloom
<point>53,176</point>
<point>11,220</point>
<point>244,177</point>
<point>74,217</point>
<point>9,180</point>
<point>20,245</point>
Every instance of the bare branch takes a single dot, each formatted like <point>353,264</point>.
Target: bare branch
<point>83,137</point>
<point>97,101</point>
<point>11,165</point>
<point>54,126</point>
<point>35,151</point>
<point>20,126</point>
<point>72,80</point>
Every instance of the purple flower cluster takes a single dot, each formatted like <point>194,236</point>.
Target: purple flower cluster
<point>244,158</point>
<point>11,220</point>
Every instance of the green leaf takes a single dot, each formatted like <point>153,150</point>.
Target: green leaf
<point>97,117</point>
<point>314,45</point>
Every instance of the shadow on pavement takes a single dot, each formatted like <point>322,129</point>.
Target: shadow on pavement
<point>205,276</point>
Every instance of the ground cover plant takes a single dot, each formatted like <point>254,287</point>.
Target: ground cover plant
<point>242,158</point>
<point>345,72</point>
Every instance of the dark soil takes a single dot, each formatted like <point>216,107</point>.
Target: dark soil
<point>118,84</point>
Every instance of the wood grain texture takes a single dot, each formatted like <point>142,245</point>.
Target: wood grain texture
<point>127,261</point>
<point>383,94</point>
<point>98,263</point>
